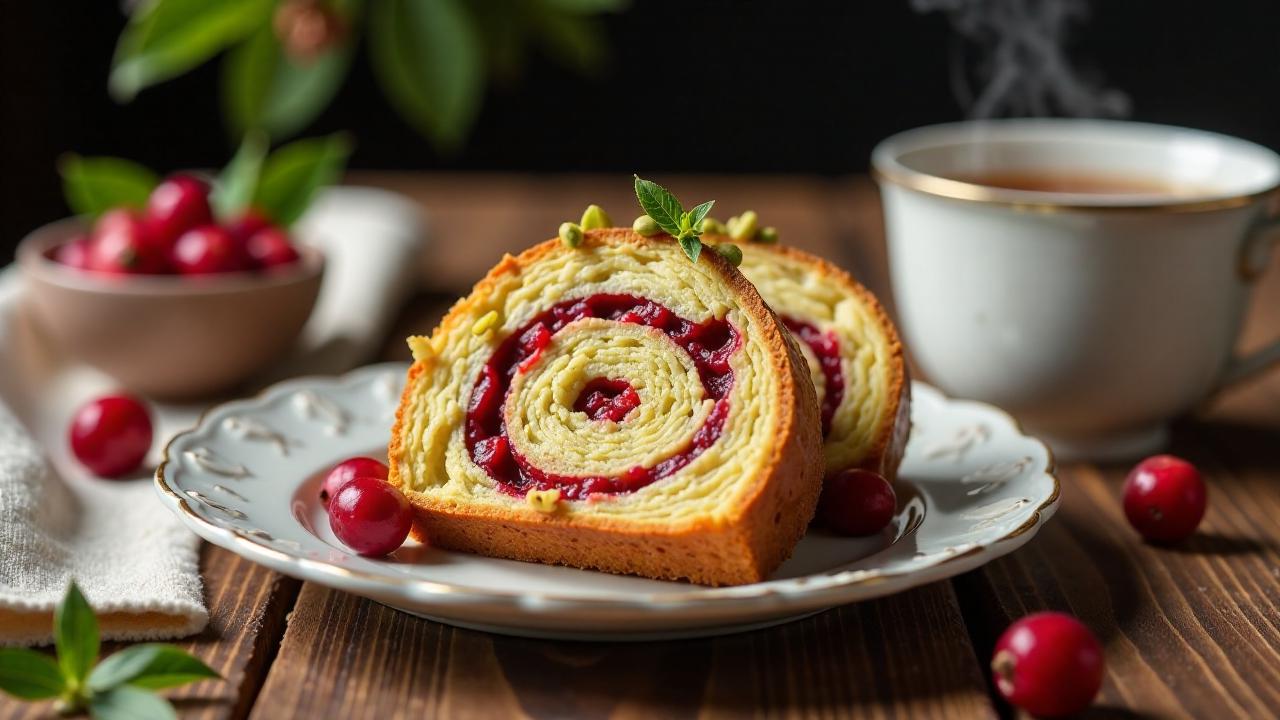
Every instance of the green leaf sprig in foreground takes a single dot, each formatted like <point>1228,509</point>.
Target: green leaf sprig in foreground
<point>118,688</point>
<point>666,211</point>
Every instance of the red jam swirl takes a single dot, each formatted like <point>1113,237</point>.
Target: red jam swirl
<point>709,344</point>
<point>826,347</point>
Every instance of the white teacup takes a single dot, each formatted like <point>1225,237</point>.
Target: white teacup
<point>1094,314</point>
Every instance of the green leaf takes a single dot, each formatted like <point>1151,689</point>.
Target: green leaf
<point>427,57</point>
<point>294,173</point>
<point>93,185</point>
<point>165,38</point>
<point>29,675</point>
<point>75,634</point>
<point>238,181</point>
<point>574,40</point>
<point>697,214</point>
<point>660,205</point>
<point>587,6</point>
<point>692,246</point>
<point>262,88</point>
<point>153,666</point>
<point>130,703</point>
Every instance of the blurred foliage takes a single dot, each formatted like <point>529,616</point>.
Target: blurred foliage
<point>285,60</point>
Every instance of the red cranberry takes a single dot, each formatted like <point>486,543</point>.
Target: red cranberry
<point>122,244</point>
<point>270,248</point>
<point>1048,664</point>
<point>207,249</point>
<point>348,470</point>
<point>857,502</point>
<point>370,517</point>
<point>1164,498</point>
<point>111,435</point>
<point>243,227</point>
<point>177,205</point>
<point>73,254</point>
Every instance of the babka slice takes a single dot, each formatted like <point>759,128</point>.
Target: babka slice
<point>612,406</point>
<point>852,349</point>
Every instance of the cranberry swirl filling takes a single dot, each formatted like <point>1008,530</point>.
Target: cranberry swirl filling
<point>826,347</point>
<point>709,345</point>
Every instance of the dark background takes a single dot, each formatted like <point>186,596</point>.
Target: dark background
<point>752,86</point>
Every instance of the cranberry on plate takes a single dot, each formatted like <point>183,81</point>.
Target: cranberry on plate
<point>178,204</point>
<point>270,248</point>
<point>370,517</point>
<point>122,244</point>
<point>111,435</point>
<point>207,249</point>
<point>857,502</point>
<point>1048,664</point>
<point>348,470</point>
<point>1164,498</point>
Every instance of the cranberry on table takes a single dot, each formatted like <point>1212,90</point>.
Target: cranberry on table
<point>111,435</point>
<point>178,204</point>
<point>1164,498</point>
<point>207,249</point>
<point>122,244</point>
<point>370,517</point>
<point>271,248</point>
<point>1048,664</point>
<point>857,502</point>
<point>348,470</point>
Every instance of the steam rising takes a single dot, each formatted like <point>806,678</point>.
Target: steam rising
<point>1021,66</point>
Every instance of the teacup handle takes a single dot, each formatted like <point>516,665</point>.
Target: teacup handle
<point>1255,256</point>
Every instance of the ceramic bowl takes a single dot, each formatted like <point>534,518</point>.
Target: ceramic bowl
<point>167,336</point>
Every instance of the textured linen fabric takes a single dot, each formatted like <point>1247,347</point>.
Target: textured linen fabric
<point>136,562</point>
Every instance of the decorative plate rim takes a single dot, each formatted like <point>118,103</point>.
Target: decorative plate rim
<point>828,583</point>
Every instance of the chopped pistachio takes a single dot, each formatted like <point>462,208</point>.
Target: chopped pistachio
<point>729,252</point>
<point>595,218</point>
<point>767,235</point>
<point>570,234</point>
<point>485,323</point>
<point>712,226</point>
<point>745,228</point>
<point>646,226</point>
<point>544,501</point>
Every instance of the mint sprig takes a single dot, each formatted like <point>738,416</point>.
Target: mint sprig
<point>666,211</point>
<point>118,687</point>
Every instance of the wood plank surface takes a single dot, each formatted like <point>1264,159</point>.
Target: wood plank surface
<point>346,657</point>
<point>247,607</point>
<point>1191,630</point>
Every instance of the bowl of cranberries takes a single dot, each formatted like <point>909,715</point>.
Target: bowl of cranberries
<point>168,300</point>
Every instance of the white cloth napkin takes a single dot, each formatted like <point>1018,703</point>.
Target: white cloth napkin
<point>135,561</point>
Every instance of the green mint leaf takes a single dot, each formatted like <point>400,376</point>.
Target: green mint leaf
<point>264,89</point>
<point>75,634</point>
<point>697,214</point>
<point>29,675</point>
<point>166,38</point>
<point>293,174</point>
<point>153,666</point>
<point>239,179</point>
<point>94,185</point>
<point>130,703</point>
<point>692,246</point>
<point>660,205</point>
<point>428,58</point>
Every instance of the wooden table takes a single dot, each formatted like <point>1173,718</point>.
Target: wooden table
<point>1190,631</point>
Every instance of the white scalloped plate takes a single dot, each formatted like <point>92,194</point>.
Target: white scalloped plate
<point>973,488</point>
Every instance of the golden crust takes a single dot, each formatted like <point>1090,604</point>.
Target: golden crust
<point>742,545</point>
<point>885,451</point>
